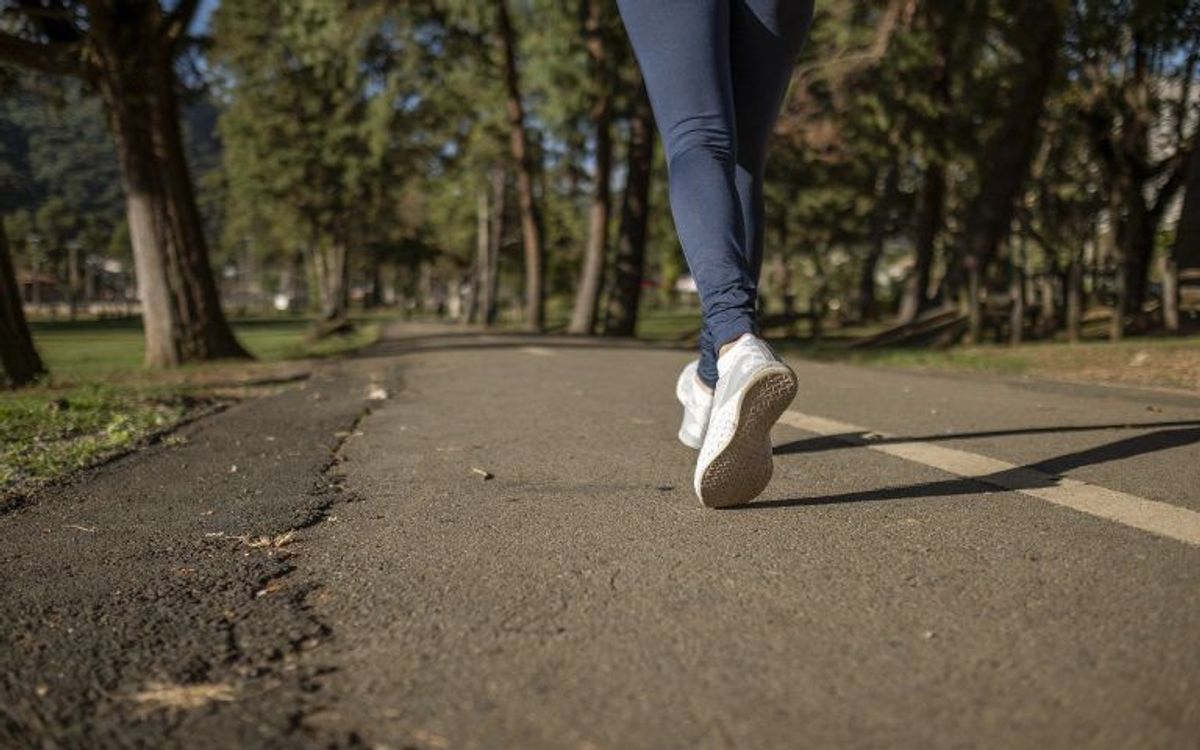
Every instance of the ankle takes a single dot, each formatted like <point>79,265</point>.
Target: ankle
<point>730,344</point>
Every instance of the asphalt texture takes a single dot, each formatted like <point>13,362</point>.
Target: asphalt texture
<point>132,580</point>
<point>496,545</point>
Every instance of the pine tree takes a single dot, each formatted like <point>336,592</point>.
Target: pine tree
<point>125,50</point>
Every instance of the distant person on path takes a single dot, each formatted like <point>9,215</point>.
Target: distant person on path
<point>717,72</point>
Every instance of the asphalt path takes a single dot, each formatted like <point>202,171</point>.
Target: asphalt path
<point>496,544</point>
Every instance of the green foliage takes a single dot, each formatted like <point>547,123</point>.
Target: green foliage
<point>318,110</point>
<point>375,125</point>
<point>58,149</point>
<point>59,177</point>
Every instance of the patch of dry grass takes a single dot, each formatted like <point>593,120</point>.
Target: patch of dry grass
<point>1155,362</point>
<point>1150,362</point>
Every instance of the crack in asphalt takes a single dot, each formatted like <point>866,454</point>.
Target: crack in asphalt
<point>156,600</point>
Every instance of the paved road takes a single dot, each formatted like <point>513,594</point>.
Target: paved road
<point>580,598</point>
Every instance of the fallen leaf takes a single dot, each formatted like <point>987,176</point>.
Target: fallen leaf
<point>270,588</point>
<point>165,696</point>
<point>274,542</point>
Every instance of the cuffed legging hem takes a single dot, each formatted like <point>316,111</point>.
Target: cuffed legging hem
<point>714,336</point>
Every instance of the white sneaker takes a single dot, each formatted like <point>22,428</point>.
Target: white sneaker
<point>697,405</point>
<point>753,390</point>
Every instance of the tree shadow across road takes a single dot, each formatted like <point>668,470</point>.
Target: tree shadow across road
<point>1041,474</point>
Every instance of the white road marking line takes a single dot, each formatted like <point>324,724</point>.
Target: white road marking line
<point>538,351</point>
<point>1159,518</point>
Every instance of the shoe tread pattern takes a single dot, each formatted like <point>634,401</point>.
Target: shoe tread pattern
<point>743,467</point>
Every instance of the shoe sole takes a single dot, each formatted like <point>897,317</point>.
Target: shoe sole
<point>743,468</point>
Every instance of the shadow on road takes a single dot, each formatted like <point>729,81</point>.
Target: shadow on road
<point>858,439</point>
<point>1031,476</point>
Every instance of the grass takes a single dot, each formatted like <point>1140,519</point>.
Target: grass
<point>1164,362</point>
<point>1145,362</point>
<point>1157,362</point>
<point>998,360</point>
<point>99,348</point>
<point>668,325</point>
<point>99,401</point>
<point>50,432</point>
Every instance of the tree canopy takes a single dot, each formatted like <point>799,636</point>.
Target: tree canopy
<point>929,152</point>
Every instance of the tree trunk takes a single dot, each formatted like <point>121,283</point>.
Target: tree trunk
<point>490,298</point>
<point>587,296</point>
<point>816,308</point>
<point>974,306</point>
<point>1016,317</point>
<point>74,278</point>
<point>1116,327</point>
<point>625,300</point>
<point>929,224</point>
<point>483,244</point>
<point>22,365</point>
<point>866,305</point>
<point>932,200</point>
<point>531,230</point>
<point>1009,153</point>
<point>1048,307</point>
<point>134,73</point>
<point>1170,295</point>
<point>1186,250</point>
<point>425,291</point>
<point>1137,249</point>
<point>454,298</point>
<point>329,264</point>
<point>1075,300</point>
<point>378,296</point>
<point>1132,172</point>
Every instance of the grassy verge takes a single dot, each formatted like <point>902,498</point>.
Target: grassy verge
<point>668,325</point>
<point>93,349</point>
<point>997,360</point>
<point>1163,362</point>
<point>51,432</point>
<point>99,402</point>
<point>1144,362</point>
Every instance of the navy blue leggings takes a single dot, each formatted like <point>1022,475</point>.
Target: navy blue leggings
<point>717,71</point>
